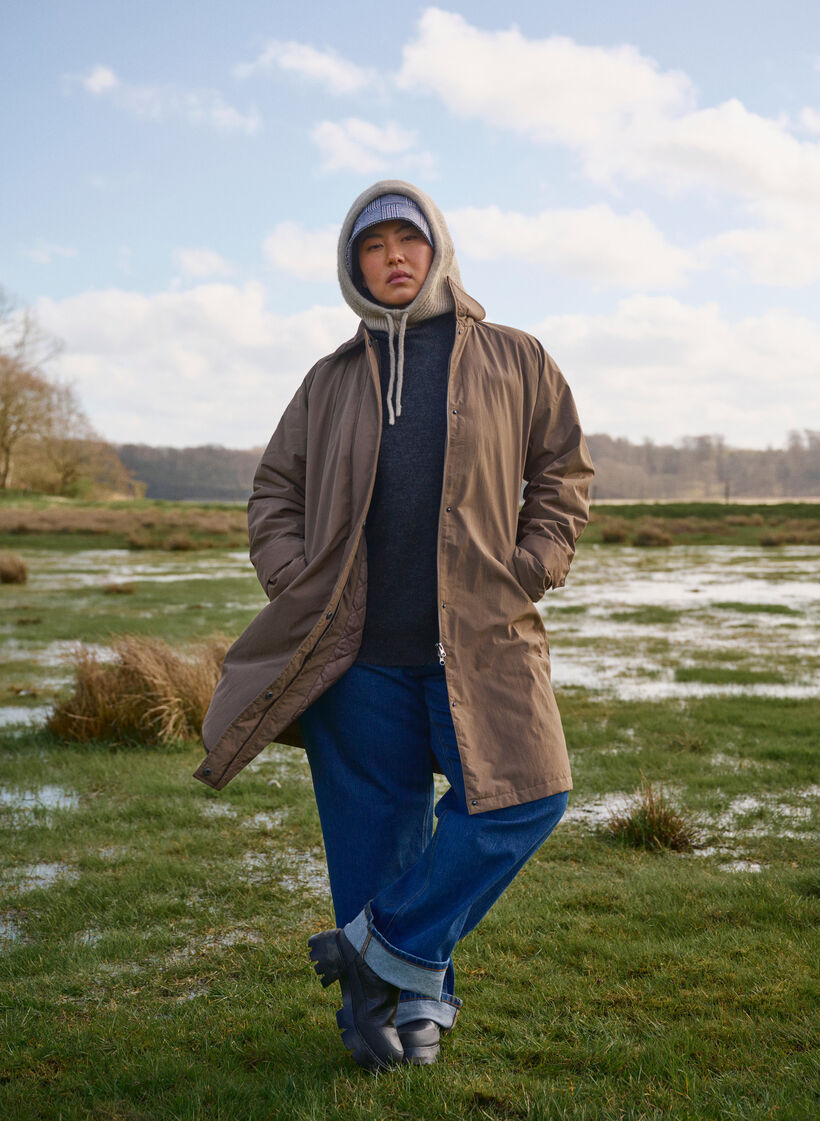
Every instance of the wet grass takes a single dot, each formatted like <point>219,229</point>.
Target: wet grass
<point>650,615</point>
<point>727,675</point>
<point>163,974</point>
<point>757,608</point>
<point>159,970</point>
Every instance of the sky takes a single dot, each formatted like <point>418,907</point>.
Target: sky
<point>635,183</point>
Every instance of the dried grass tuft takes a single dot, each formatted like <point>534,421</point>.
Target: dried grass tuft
<point>149,693</point>
<point>614,531</point>
<point>179,543</point>
<point>652,822</point>
<point>13,569</point>
<point>651,535</point>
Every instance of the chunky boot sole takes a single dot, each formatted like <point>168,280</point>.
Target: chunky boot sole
<point>326,958</point>
<point>363,1056</point>
<point>330,966</point>
<point>422,1056</point>
<point>420,1041</point>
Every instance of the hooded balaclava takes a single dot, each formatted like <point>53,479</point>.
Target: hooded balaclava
<point>434,297</point>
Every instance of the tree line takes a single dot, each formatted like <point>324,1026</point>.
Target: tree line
<point>47,444</point>
<point>699,468</point>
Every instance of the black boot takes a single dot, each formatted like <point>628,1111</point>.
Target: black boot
<point>420,1040</point>
<point>367,1018</point>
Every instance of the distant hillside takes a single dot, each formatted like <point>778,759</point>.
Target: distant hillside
<point>698,468</point>
<point>209,473</point>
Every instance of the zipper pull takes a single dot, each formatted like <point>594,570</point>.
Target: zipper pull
<point>441,653</point>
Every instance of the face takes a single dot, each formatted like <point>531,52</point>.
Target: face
<point>395,259</point>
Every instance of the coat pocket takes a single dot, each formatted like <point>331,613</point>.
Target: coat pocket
<point>530,573</point>
<point>285,576</point>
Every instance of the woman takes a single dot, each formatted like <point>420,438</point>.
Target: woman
<point>401,637</point>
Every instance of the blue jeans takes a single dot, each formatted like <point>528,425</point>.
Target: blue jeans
<point>405,894</point>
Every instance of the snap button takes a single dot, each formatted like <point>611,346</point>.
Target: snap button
<point>268,695</point>
<point>474,802</point>
<point>453,704</point>
<point>206,771</point>
<point>329,615</point>
<point>449,508</point>
<point>443,606</point>
<point>455,412</point>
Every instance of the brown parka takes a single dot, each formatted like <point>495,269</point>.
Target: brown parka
<point>511,417</point>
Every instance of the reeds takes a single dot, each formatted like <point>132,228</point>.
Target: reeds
<point>13,569</point>
<point>176,527</point>
<point>652,822</point>
<point>149,692</point>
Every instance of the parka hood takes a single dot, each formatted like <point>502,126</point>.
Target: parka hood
<point>434,298</point>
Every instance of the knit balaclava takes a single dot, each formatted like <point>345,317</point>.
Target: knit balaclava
<point>434,297</point>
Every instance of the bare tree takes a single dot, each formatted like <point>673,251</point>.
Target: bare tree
<point>25,393</point>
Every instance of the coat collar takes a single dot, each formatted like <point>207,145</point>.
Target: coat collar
<point>466,308</point>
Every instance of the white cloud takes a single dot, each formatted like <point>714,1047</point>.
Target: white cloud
<point>210,364</point>
<point>326,67</point>
<point>591,242</point>
<point>44,252</point>
<point>99,79</point>
<point>625,117</point>
<point>201,263</point>
<point>661,368</point>
<point>784,250</point>
<point>307,254</point>
<point>810,120</point>
<point>357,145</point>
<point>552,90</point>
<point>197,107</point>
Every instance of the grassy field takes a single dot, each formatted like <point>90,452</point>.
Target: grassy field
<point>60,523</point>
<point>153,933</point>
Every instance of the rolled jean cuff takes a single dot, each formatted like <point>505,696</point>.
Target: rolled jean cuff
<point>414,1007</point>
<point>405,971</point>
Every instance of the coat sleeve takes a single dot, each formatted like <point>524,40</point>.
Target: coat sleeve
<point>276,508</point>
<point>557,473</point>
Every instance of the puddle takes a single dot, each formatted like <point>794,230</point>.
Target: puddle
<point>630,658</point>
<point>114,852</point>
<point>291,870</point>
<point>46,797</point>
<point>636,660</point>
<point>92,568</point>
<point>771,814</point>
<point>35,876</point>
<point>598,811</point>
<point>88,937</point>
<point>266,821</point>
<point>203,944</point>
<point>26,715</point>
<point>212,808</point>
<point>11,933</point>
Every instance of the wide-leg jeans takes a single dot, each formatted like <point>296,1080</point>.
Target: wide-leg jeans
<point>404,893</point>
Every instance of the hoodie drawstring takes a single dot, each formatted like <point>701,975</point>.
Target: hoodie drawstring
<point>396,381</point>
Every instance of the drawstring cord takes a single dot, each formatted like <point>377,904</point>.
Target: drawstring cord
<point>396,366</point>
